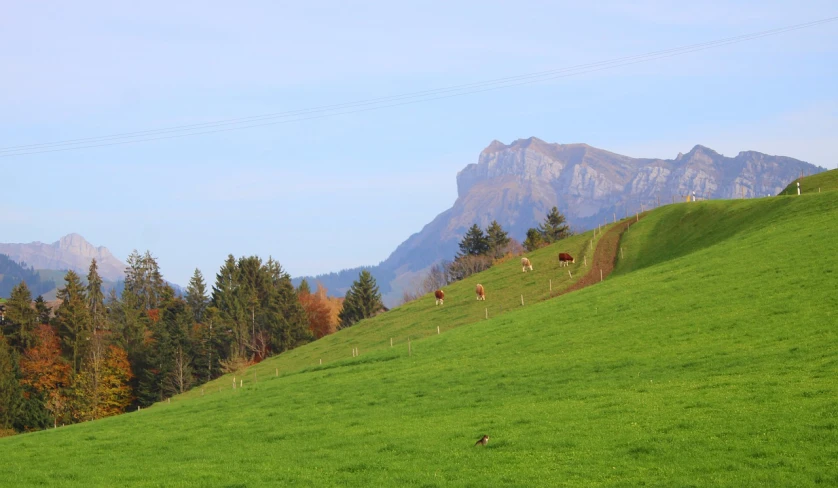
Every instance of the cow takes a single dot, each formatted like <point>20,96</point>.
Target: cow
<point>526,264</point>
<point>439,294</point>
<point>565,259</point>
<point>481,294</point>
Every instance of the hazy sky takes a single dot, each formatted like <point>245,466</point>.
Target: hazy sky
<point>337,192</point>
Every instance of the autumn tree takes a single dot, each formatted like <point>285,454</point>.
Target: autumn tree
<point>73,318</point>
<point>116,393</point>
<point>45,374</point>
<point>363,300</point>
<point>317,311</point>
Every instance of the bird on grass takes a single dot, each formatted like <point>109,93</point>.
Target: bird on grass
<point>483,441</point>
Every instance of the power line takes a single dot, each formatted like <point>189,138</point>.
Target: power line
<point>383,102</point>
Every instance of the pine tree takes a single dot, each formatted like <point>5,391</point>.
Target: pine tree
<point>19,312</point>
<point>474,243</point>
<point>95,297</point>
<point>304,289</point>
<point>498,239</point>
<point>362,301</point>
<point>73,317</point>
<point>554,227</point>
<point>42,310</point>
<point>11,393</point>
<point>196,295</point>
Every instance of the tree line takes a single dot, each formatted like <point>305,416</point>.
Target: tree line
<point>94,355</point>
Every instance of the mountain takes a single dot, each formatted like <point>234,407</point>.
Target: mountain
<point>12,273</point>
<point>70,252</point>
<point>517,184</point>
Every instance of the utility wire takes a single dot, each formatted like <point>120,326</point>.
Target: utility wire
<point>383,102</point>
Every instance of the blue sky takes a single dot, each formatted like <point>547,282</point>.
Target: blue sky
<point>337,192</point>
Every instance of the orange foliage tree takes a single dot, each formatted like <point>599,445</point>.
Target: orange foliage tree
<point>319,311</point>
<point>45,372</point>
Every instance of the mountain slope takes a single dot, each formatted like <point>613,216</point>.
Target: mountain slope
<point>70,252</point>
<point>712,364</point>
<point>517,184</point>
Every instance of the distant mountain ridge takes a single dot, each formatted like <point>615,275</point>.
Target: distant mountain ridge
<point>70,252</point>
<point>516,184</point>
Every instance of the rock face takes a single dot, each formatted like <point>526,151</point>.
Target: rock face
<point>70,252</point>
<point>517,184</point>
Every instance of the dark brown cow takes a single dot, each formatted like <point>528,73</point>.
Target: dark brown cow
<point>481,293</point>
<point>565,259</point>
<point>526,264</point>
<point>439,294</point>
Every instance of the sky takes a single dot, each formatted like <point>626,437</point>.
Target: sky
<point>340,191</point>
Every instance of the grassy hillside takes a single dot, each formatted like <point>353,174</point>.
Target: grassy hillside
<point>826,181</point>
<point>708,359</point>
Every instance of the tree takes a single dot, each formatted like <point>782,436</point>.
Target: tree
<point>45,373</point>
<point>19,312</point>
<point>116,376</point>
<point>554,227</point>
<point>318,312</point>
<point>196,295</point>
<point>534,240</point>
<point>303,289</point>
<point>95,297</point>
<point>11,393</point>
<point>474,243</point>
<point>497,238</point>
<point>362,301</point>
<point>73,317</point>
<point>42,310</point>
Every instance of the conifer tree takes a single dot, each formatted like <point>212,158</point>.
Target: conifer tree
<point>73,318</point>
<point>363,300</point>
<point>497,238</point>
<point>554,227</point>
<point>42,310</point>
<point>196,295</point>
<point>95,297</point>
<point>20,313</point>
<point>474,243</point>
<point>304,289</point>
<point>11,393</point>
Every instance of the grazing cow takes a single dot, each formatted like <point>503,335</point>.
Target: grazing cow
<point>565,259</point>
<point>526,264</point>
<point>439,294</point>
<point>481,294</point>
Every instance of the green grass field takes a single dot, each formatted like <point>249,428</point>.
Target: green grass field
<point>826,181</point>
<point>707,359</point>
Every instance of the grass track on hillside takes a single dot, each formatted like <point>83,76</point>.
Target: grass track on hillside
<point>698,363</point>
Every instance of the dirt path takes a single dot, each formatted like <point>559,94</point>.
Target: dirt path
<point>605,256</point>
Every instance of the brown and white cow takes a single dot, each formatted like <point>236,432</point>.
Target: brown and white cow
<point>565,259</point>
<point>526,264</point>
<point>481,293</point>
<point>439,294</point>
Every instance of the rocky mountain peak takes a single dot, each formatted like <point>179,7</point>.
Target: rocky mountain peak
<point>69,252</point>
